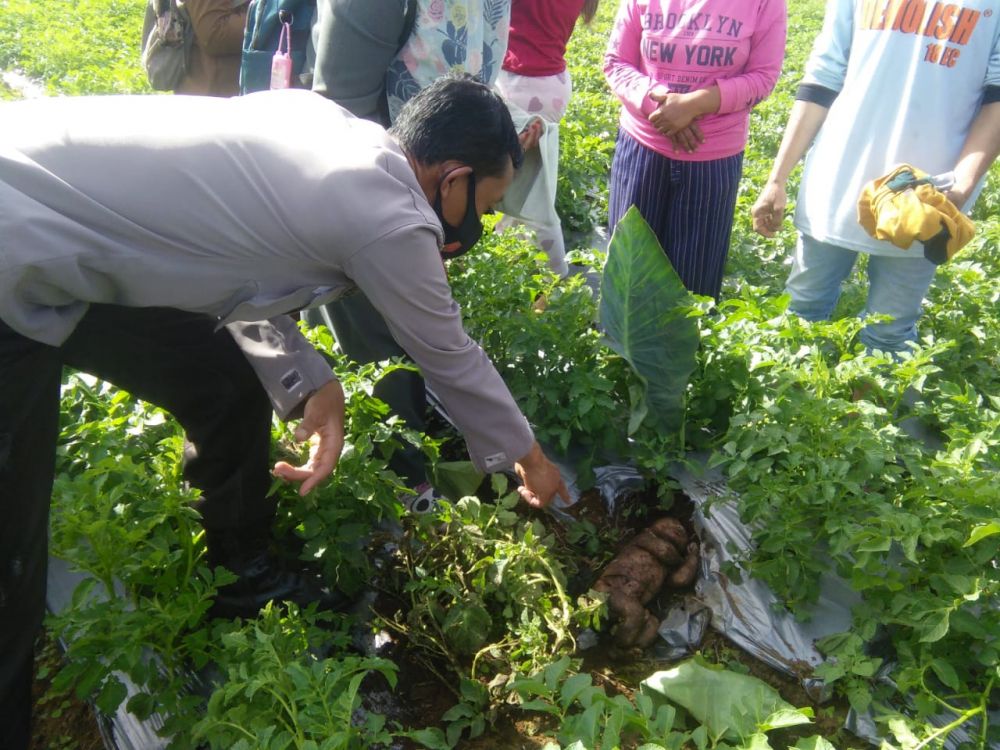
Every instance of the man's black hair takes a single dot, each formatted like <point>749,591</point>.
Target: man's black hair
<point>459,117</point>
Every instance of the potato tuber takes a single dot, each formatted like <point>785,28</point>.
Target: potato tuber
<point>656,555</point>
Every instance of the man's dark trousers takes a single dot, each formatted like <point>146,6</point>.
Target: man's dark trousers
<point>173,359</point>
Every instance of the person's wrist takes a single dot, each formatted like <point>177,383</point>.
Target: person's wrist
<point>700,102</point>
<point>331,389</point>
<point>688,105</point>
<point>533,458</point>
<point>958,195</point>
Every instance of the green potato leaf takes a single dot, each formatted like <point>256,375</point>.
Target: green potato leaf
<point>981,532</point>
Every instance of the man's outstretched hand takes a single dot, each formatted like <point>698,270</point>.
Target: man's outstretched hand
<point>323,425</point>
<point>540,479</point>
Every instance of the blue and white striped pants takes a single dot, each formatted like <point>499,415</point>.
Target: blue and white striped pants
<point>688,204</point>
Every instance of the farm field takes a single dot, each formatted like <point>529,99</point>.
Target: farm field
<point>883,473</point>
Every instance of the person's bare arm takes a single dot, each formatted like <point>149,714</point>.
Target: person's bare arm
<point>804,122</point>
<point>982,146</point>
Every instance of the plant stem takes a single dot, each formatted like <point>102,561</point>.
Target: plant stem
<point>949,728</point>
<point>984,704</point>
<point>238,728</point>
<point>563,599</point>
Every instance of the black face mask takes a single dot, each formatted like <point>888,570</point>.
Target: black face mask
<point>469,231</point>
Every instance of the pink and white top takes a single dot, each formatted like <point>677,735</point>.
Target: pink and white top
<point>685,45</point>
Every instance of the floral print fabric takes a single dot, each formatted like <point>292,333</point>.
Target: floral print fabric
<point>449,36</point>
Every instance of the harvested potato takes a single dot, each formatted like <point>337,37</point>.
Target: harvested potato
<point>660,554</point>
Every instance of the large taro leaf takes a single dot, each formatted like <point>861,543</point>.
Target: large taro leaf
<point>728,704</point>
<point>644,315</point>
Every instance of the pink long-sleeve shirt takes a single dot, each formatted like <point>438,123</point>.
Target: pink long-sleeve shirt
<point>684,45</point>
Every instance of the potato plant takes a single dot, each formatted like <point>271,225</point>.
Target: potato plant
<point>74,46</point>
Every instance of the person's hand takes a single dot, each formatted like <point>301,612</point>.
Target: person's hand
<point>531,134</point>
<point>540,479</point>
<point>769,210</point>
<point>688,139</point>
<point>323,425</point>
<point>674,113</point>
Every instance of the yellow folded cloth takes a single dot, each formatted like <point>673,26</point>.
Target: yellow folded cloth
<point>904,206</point>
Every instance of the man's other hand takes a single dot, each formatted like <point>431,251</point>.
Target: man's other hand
<point>323,426</point>
<point>540,479</point>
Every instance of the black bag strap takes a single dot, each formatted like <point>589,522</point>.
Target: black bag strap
<point>409,20</point>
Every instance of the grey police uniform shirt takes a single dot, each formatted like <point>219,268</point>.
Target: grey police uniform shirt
<point>244,209</point>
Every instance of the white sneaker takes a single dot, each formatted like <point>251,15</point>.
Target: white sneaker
<point>423,500</point>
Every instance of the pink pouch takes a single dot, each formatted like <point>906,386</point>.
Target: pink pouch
<point>281,63</point>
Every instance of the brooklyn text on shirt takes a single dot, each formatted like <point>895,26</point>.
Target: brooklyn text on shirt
<point>725,25</point>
